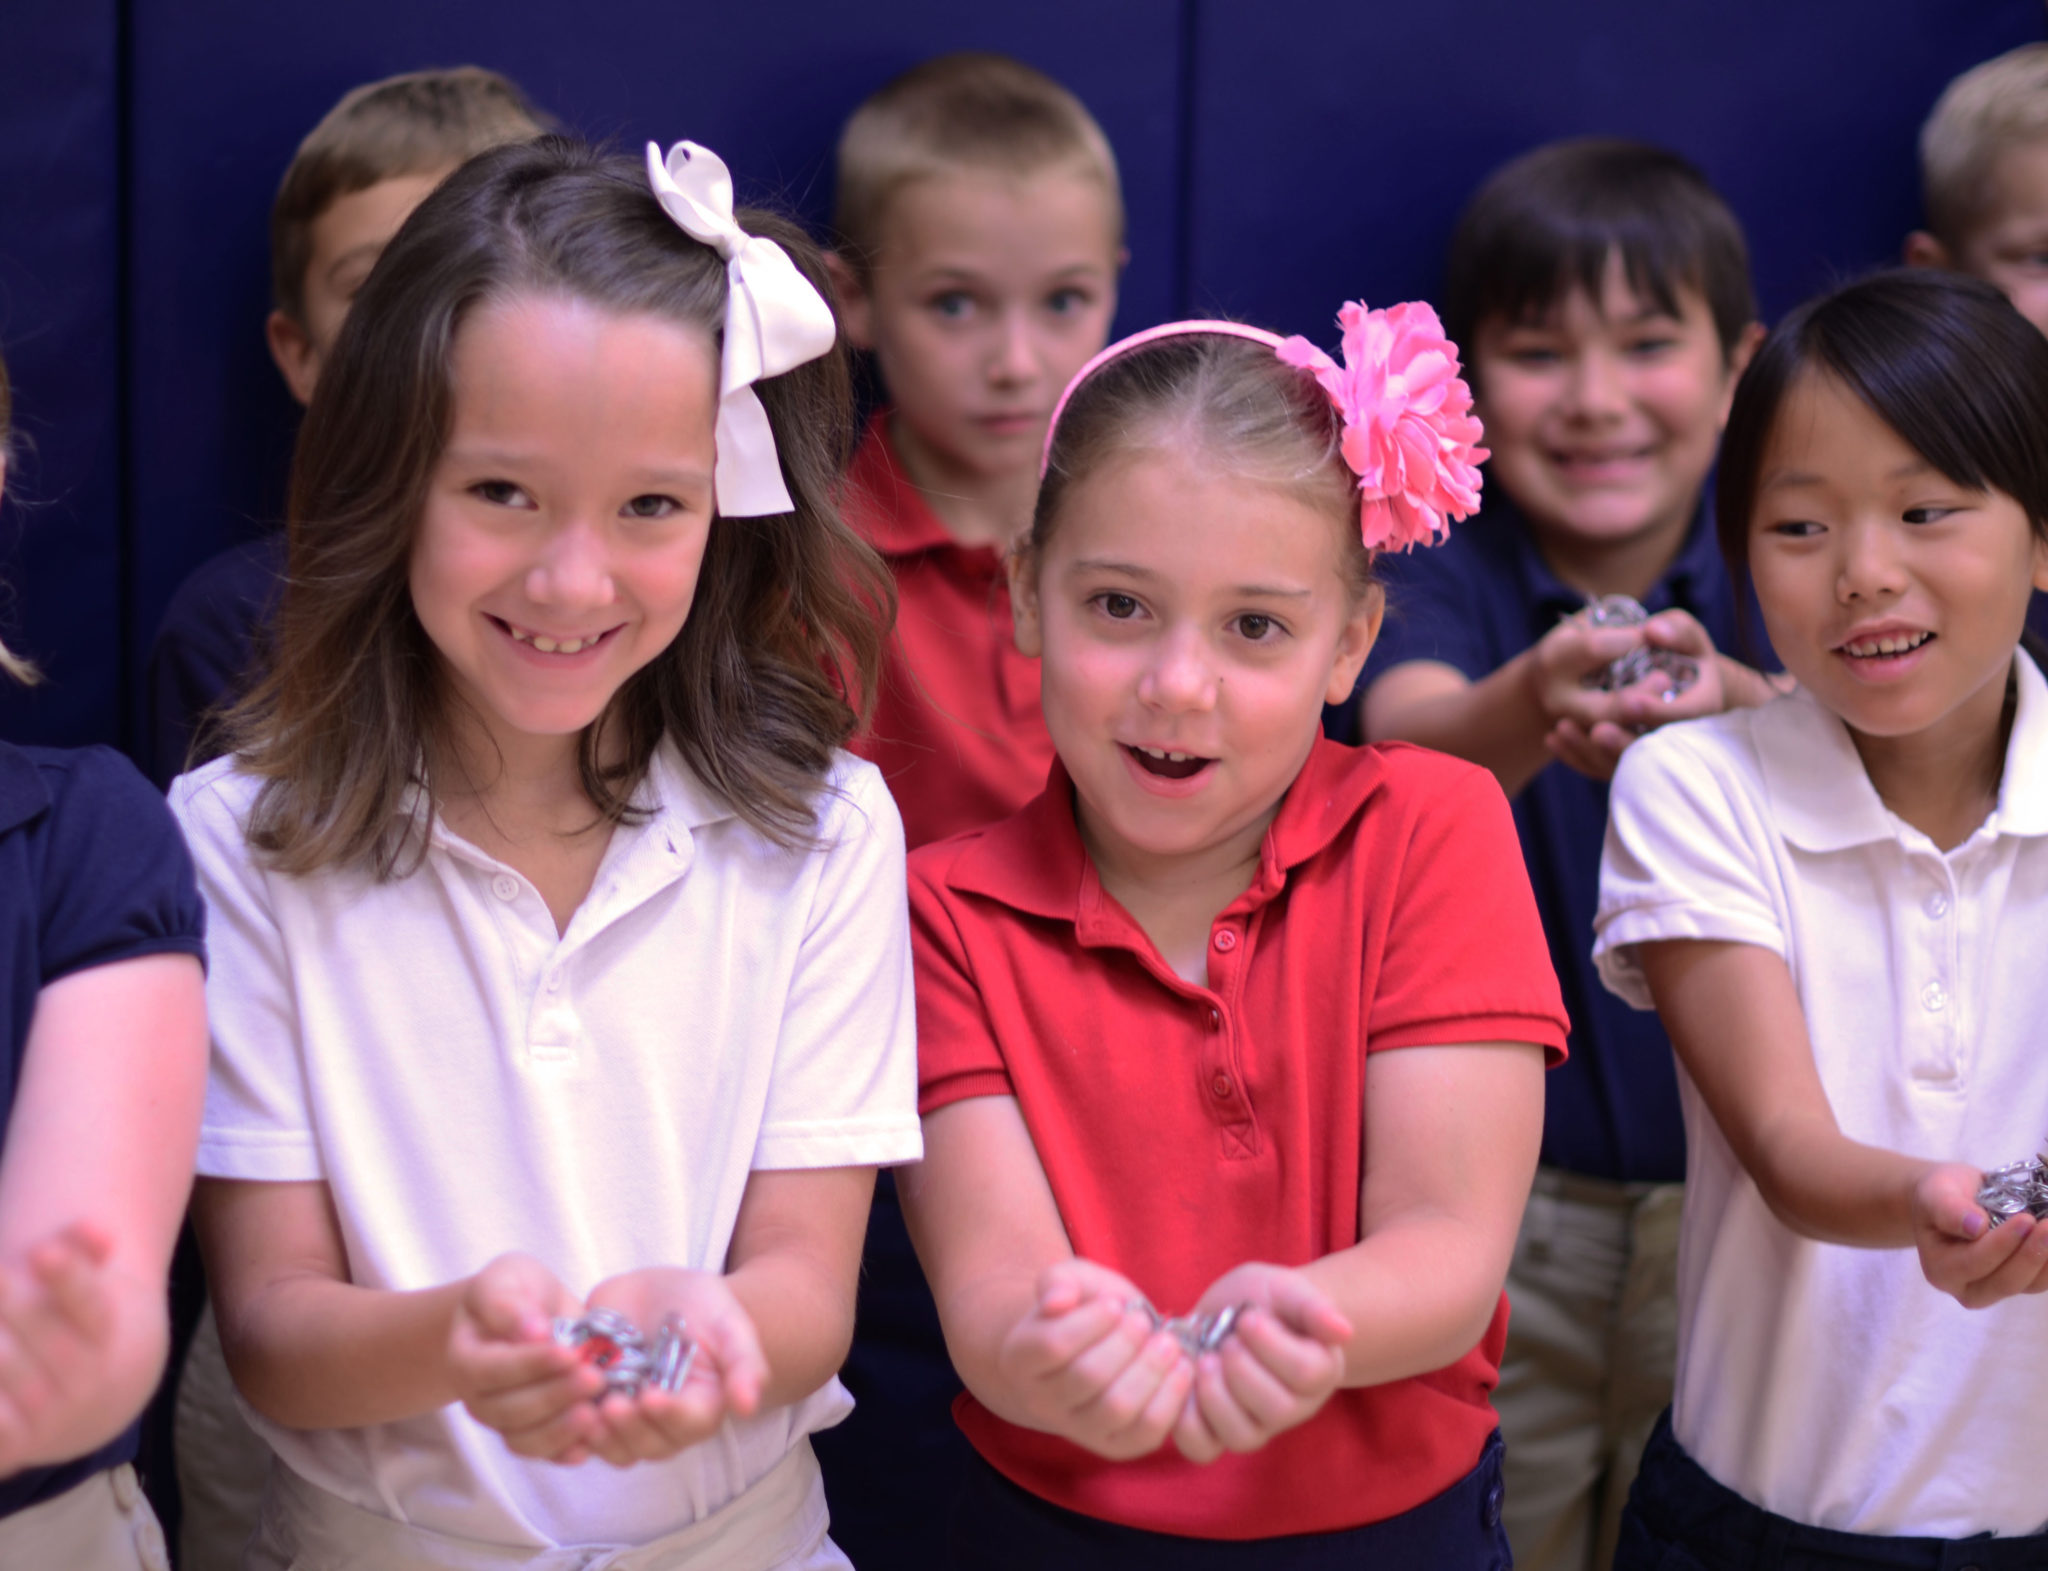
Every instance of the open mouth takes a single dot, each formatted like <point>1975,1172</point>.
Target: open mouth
<point>1169,765</point>
<point>549,644</point>
<point>1891,646</point>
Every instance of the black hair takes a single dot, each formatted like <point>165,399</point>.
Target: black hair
<point>1940,357</point>
<point>1547,223</point>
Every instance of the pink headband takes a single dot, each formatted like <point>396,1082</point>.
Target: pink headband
<point>1409,430</point>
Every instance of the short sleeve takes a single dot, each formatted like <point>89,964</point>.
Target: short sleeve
<point>257,1124</point>
<point>1433,613</point>
<point>1684,857</point>
<point>118,882</point>
<point>1464,958</point>
<point>844,1088</point>
<point>957,1055</point>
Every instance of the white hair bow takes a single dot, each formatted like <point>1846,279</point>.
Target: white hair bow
<point>774,321</point>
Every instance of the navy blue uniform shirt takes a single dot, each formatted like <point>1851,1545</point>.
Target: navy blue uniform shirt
<point>1474,603</point>
<point>92,870</point>
<point>214,630</point>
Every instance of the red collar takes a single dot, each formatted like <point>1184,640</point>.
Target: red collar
<point>884,504</point>
<point>1034,862</point>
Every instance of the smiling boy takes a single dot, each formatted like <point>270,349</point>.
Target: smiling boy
<point>1601,290</point>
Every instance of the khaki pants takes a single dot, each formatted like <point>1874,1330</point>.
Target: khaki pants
<point>222,1462</point>
<point>304,1528</point>
<point>103,1524</point>
<point>1592,1340</point>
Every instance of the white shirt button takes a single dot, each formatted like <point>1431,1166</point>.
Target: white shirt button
<point>1937,904</point>
<point>1933,997</point>
<point>505,887</point>
<point>555,981</point>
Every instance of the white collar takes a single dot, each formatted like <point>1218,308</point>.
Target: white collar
<point>1822,798</point>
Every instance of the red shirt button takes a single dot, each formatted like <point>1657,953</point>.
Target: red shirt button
<point>1226,939</point>
<point>1215,1019</point>
<point>1220,1085</point>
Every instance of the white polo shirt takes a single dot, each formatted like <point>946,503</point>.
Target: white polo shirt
<point>466,1081</point>
<point>1828,1384</point>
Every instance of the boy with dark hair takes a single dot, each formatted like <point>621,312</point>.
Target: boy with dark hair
<point>980,235</point>
<point>1600,291</point>
<point>352,184</point>
<point>354,180</point>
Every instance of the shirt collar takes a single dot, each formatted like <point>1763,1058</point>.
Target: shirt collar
<point>1034,861</point>
<point>1681,584</point>
<point>884,504</point>
<point>1821,795</point>
<point>22,792</point>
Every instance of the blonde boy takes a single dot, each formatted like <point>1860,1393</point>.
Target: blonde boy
<point>352,184</point>
<point>1984,179</point>
<point>980,234</point>
<point>354,180</point>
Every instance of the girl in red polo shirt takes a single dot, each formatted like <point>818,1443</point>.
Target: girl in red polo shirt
<point>1231,1043</point>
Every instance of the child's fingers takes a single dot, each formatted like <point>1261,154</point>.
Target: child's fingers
<point>70,1277</point>
<point>1192,1437</point>
<point>558,1438</point>
<point>658,1424</point>
<point>1041,1346</point>
<point>1115,1410</point>
<point>532,1403</point>
<point>489,1367</point>
<point>735,1349</point>
<point>1234,1428</point>
<point>1298,1305</point>
<point>1304,1365</point>
<point>2015,1273</point>
<point>1084,1377</point>
<point>1274,1403</point>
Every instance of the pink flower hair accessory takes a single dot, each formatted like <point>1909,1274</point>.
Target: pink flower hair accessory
<point>1409,432</point>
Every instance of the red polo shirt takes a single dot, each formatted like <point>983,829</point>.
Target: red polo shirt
<point>1187,1129</point>
<point>957,731</point>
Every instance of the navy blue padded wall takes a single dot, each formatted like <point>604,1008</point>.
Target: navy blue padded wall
<point>1333,145</point>
<point>60,527</point>
<point>224,89</point>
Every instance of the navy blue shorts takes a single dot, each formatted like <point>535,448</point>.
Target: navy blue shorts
<point>1679,1518</point>
<point>998,1527</point>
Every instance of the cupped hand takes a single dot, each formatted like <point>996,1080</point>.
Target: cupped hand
<point>57,1314</point>
<point>509,1372</point>
<point>1085,1363</point>
<point>1962,1253</point>
<point>1280,1364</point>
<point>726,1378</point>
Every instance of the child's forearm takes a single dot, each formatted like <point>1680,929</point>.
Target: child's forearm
<point>803,1318</point>
<point>1825,1186</point>
<point>1419,1296</point>
<point>309,1352</point>
<point>977,1320</point>
<point>1496,722</point>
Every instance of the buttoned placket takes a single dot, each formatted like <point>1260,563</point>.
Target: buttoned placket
<point>640,861</point>
<point>1934,951</point>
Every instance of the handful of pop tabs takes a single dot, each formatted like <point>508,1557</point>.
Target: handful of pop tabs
<point>629,1363</point>
<point>2016,1187</point>
<point>1629,669</point>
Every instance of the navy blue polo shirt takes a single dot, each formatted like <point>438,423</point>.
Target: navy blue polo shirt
<point>92,870</point>
<point>214,632</point>
<point>1476,602</point>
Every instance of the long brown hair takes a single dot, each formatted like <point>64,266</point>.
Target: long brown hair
<point>773,667</point>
